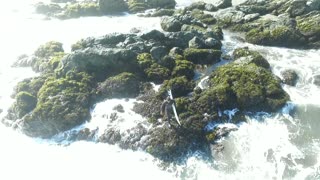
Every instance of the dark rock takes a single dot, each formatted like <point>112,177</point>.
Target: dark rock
<point>124,85</point>
<point>202,56</point>
<point>309,24</point>
<point>150,107</point>
<point>119,108</point>
<point>316,80</point>
<point>244,86</point>
<point>184,68</point>
<point>197,43</point>
<point>111,136</point>
<point>219,132</point>
<point>222,3</point>
<point>180,86</point>
<point>282,36</point>
<point>170,24</point>
<point>83,135</point>
<point>153,35</point>
<point>102,63</point>
<point>162,12</point>
<point>152,70</point>
<point>212,43</point>
<point>228,17</point>
<point>313,5</point>
<point>142,5</point>
<point>61,105</point>
<point>158,52</point>
<point>246,56</point>
<point>112,6</point>
<point>24,104</point>
<point>196,5</point>
<point>210,7</point>
<point>289,77</point>
<point>132,138</point>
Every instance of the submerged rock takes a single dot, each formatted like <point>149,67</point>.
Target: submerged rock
<point>289,77</point>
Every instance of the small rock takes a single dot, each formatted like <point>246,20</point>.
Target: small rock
<point>170,24</point>
<point>316,80</point>
<point>289,77</point>
<point>119,108</point>
<point>196,43</point>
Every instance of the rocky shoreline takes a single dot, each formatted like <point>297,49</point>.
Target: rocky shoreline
<point>125,65</point>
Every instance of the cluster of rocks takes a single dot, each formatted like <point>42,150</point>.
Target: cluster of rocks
<point>123,65</point>
<point>73,9</point>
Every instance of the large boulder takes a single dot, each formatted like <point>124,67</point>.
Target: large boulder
<point>112,6</point>
<point>124,85</point>
<point>247,87</point>
<point>79,9</point>
<point>202,56</point>
<point>180,86</point>
<point>101,63</point>
<point>246,56</point>
<point>61,105</point>
<point>309,25</point>
<point>170,24</point>
<point>282,36</point>
<point>24,104</point>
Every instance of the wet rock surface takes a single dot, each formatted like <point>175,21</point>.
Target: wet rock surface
<point>125,65</point>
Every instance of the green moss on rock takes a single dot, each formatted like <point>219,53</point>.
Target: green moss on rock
<point>25,103</point>
<point>62,104</point>
<point>280,36</point>
<point>124,85</point>
<point>244,55</point>
<point>254,88</point>
<point>180,86</point>
<point>183,68</point>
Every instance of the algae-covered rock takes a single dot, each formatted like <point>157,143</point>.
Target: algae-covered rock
<point>246,56</point>
<point>112,6</point>
<point>248,87</point>
<point>25,103</point>
<point>141,5</point>
<point>282,36</point>
<point>309,25</point>
<point>157,73</point>
<point>49,49</point>
<point>180,86</point>
<point>124,85</point>
<point>202,56</point>
<point>170,24</point>
<point>80,9</point>
<point>61,105</point>
<point>184,68</point>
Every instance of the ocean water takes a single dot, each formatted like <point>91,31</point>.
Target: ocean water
<point>283,145</point>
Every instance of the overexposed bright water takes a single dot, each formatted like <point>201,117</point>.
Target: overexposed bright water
<point>280,146</point>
